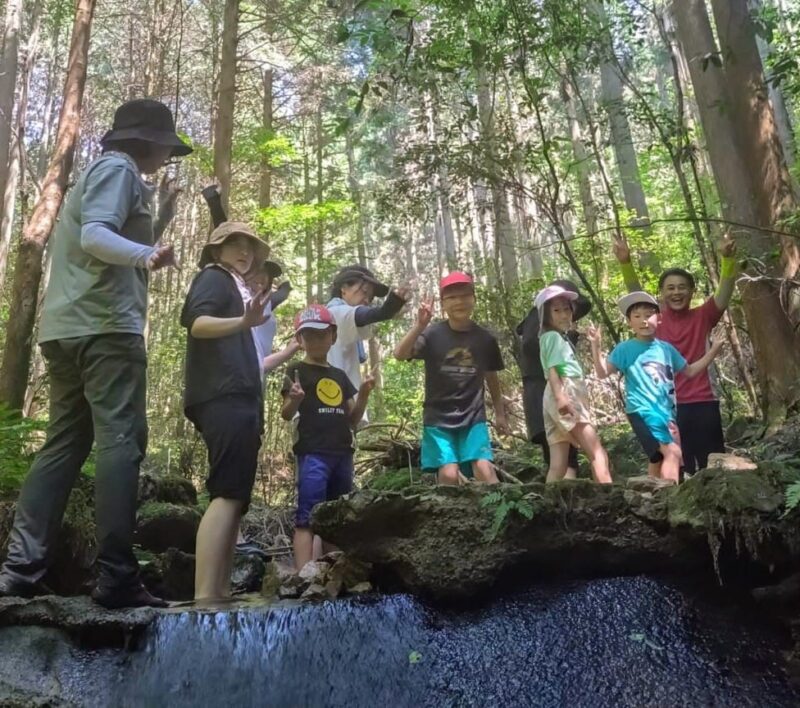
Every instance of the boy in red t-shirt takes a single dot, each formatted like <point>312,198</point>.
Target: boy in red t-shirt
<point>688,328</point>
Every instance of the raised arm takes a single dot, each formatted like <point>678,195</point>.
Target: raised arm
<point>292,398</point>
<point>273,361</point>
<point>727,272</point>
<point>358,405</point>
<point>208,327</point>
<point>405,347</point>
<point>602,367</point>
<point>703,362</point>
<point>214,200</point>
<point>623,254</point>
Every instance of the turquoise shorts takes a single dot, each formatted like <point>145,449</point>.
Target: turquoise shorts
<point>445,446</point>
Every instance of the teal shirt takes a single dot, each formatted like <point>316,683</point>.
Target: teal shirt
<point>649,369</point>
<point>556,352</point>
<point>86,296</point>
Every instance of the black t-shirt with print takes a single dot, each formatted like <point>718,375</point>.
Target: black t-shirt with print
<point>455,368</point>
<point>324,425</point>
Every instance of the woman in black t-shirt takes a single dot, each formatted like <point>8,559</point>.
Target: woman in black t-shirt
<point>223,396</point>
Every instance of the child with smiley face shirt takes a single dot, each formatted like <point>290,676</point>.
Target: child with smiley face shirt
<point>328,407</point>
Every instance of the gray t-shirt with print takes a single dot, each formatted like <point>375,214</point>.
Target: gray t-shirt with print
<point>86,296</point>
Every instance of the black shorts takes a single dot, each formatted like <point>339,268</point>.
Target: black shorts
<point>231,427</point>
<point>649,444</point>
<point>700,425</point>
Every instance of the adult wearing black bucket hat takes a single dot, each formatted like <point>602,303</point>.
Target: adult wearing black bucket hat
<point>533,377</point>
<point>91,334</point>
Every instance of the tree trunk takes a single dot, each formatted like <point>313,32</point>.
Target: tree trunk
<point>613,101</point>
<point>441,187</point>
<point>8,83</point>
<point>503,228</point>
<point>28,271</point>
<point>775,344</point>
<point>16,165</point>
<point>754,122</point>
<point>226,98</point>
<point>581,170</point>
<point>265,183</point>
<point>783,120</point>
<point>320,233</point>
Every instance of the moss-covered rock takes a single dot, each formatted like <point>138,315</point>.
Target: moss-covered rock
<point>160,526</point>
<point>169,575</point>
<point>170,489</point>
<point>453,542</point>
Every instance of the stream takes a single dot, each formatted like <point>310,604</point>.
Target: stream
<point>632,641</point>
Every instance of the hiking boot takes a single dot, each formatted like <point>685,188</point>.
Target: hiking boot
<point>250,548</point>
<point>119,598</point>
<point>10,587</point>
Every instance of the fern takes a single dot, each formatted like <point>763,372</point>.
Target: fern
<point>503,506</point>
<point>792,496</point>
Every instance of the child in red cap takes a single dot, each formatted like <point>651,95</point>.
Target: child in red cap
<point>459,356</point>
<point>328,406</point>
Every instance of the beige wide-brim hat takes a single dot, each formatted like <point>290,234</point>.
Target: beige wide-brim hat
<point>235,228</point>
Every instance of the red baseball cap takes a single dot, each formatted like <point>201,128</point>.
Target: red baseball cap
<point>314,317</point>
<point>456,278</point>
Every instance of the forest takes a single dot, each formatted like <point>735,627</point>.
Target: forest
<point>517,140</point>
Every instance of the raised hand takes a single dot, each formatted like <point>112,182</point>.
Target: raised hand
<point>254,311</point>
<point>727,246</point>
<point>718,340</point>
<point>367,383</point>
<point>403,292</point>
<point>594,333</point>
<point>163,257</point>
<point>622,250</point>
<point>168,191</point>
<point>296,392</point>
<point>425,311</point>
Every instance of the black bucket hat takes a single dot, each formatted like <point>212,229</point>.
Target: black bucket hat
<point>148,120</point>
<point>359,272</point>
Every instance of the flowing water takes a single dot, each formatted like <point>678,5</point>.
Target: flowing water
<point>614,642</point>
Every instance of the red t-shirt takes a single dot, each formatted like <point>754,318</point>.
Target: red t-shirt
<point>688,331</point>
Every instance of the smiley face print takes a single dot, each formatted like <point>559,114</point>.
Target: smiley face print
<point>329,392</point>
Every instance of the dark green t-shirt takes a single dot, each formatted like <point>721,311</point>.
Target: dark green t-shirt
<point>84,295</point>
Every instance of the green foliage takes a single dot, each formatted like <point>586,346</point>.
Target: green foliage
<point>792,497</point>
<point>394,480</point>
<point>295,218</point>
<point>16,437</point>
<point>502,503</point>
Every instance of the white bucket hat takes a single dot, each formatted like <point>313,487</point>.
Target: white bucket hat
<point>551,292</point>
<point>626,302</point>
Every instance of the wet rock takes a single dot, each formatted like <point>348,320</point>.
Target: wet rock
<point>314,571</point>
<point>784,593</point>
<point>247,574</point>
<point>732,463</point>
<point>160,526</point>
<point>169,489</point>
<point>333,588</point>
<point>315,592</point>
<point>169,575</point>
<point>360,588</point>
<point>292,587</point>
<point>455,542</point>
<point>79,617</point>
<point>349,572</point>
<point>275,575</point>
